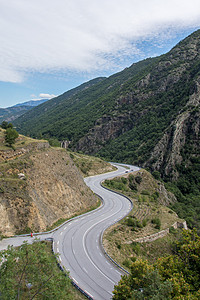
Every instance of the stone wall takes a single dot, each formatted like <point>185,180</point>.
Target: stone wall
<point>162,233</point>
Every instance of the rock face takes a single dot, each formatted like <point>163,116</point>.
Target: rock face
<point>105,129</point>
<point>182,132</point>
<point>170,94</point>
<point>52,189</point>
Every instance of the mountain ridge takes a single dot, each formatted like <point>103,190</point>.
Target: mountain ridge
<point>147,115</point>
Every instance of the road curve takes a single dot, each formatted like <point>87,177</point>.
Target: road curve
<point>78,243</point>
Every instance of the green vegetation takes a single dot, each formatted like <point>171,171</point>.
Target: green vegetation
<point>10,136</point>
<point>187,190</point>
<point>6,125</point>
<point>147,217</point>
<point>31,272</point>
<point>176,276</point>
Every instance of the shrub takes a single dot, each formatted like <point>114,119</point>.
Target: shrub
<point>156,175</point>
<point>157,223</point>
<point>138,179</point>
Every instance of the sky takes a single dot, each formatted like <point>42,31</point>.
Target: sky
<point>50,46</point>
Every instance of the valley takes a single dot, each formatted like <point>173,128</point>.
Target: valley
<point>105,220</point>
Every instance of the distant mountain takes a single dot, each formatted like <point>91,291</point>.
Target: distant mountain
<point>11,113</point>
<point>32,103</point>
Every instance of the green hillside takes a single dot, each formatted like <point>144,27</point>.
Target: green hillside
<point>147,114</point>
<point>72,114</point>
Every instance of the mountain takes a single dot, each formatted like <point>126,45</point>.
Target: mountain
<point>32,103</point>
<point>9,114</point>
<point>147,115</point>
<point>123,117</point>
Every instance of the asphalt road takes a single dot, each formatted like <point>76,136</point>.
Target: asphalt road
<point>78,242</point>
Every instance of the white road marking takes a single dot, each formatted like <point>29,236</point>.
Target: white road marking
<point>58,242</point>
<point>85,270</point>
<point>60,258</point>
<point>57,249</point>
<point>100,254</point>
<point>87,253</point>
<point>118,272</point>
<point>65,228</point>
<point>74,280</point>
<point>89,294</point>
<point>61,233</point>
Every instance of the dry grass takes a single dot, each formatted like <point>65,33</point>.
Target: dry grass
<point>21,141</point>
<point>119,239</point>
<point>90,165</point>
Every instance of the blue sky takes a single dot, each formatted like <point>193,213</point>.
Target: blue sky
<point>49,47</point>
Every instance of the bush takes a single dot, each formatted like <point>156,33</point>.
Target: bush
<point>144,222</point>
<point>10,136</point>
<point>157,223</point>
<point>133,186</point>
<point>156,175</point>
<point>138,179</point>
<point>127,263</point>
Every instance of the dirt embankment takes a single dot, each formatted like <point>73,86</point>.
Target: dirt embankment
<point>51,188</point>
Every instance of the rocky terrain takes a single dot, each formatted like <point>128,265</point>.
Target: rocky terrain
<point>39,186</point>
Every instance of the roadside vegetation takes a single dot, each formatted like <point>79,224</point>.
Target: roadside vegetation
<point>176,276</point>
<point>148,216</point>
<point>31,272</point>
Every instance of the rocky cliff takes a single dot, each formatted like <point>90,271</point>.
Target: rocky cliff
<point>38,187</point>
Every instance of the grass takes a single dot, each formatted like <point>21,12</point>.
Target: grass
<point>147,217</point>
<point>90,165</point>
<point>21,142</point>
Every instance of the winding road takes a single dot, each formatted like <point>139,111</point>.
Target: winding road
<point>78,241</point>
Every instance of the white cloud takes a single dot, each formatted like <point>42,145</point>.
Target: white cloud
<point>82,35</point>
<point>47,96</point>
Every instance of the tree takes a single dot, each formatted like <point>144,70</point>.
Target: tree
<point>31,272</point>
<point>176,276</point>
<point>10,136</point>
<point>6,125</point>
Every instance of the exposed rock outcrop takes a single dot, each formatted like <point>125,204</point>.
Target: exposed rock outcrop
<point>52,188</point>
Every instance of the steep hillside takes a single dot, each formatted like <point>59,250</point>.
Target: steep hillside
<point>54,117</point>
<point>124,116</point>
<point>38,186</point>
<point>146,115</point>
<point>71,115</point>
<point>149,220</point>
<point>11,113</point>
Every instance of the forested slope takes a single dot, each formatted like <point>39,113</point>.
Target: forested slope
<point>147,115</point>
